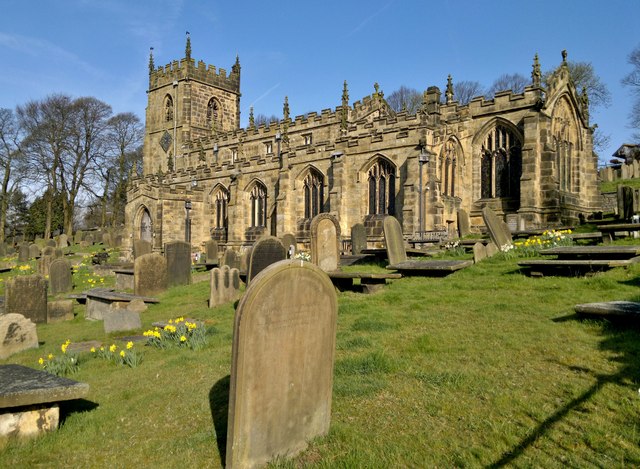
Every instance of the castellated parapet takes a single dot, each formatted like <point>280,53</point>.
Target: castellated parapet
<point>187,69</point>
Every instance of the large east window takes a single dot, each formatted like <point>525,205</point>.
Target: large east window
<point>382,188</point>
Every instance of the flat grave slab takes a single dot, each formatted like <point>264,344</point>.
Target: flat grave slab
<point>21,386</point>
<point>609,232</point>
<point>435,267</point>
<point>609,308</point>
<point>99,301</point>
<point>369,282</point>
<point>593,252</point>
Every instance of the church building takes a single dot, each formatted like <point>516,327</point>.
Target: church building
<point>528,156</point>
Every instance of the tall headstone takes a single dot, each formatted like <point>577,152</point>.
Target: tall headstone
<point>267,250</point>
<point>358,239</point>
<point>34,251</point>
<point>211,250</point>
<point>464,224</point>
<point>224,286</point>
<point>290,244</point>
<point>627,203</point>
<point>141,247</point>
<point>27,295</point>
<point>287,317</point>
<point>43,265</point>
<point>79,237</point>
<point>498,229</point>
<point>178,255</point>
<point>17,333</point>
<point>231,258</point>
<point>3,249</point>
<point>325,242</point>
<point>396,252</point>
<point>149,274</point>
<point>60,277</point>
<point>245,260</point>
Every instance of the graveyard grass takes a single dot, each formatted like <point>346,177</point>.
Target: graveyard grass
<point>486,367</point>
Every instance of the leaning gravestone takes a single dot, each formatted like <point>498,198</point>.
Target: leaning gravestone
<point>17,333</point>
<point>60,278</point>
<point>325,242</point>
<point>267,250</point>
<point>34,251</point>
<point>211,250</point>
<point>287,317</point>
<point>290,244</point>
<point>27,295</point>
<point>358,239</point>
<point>498,229</point>
<point>396,251</point>
<point>141,247</point>
<point>149,274</point>
<point>178,255</point>
<point>464,223</point>
<point>230,258</point>
<point>224,286</point>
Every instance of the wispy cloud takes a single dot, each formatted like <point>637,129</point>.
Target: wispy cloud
<point>265,94</point>
<point>364,22</point>
<point>42,49</point>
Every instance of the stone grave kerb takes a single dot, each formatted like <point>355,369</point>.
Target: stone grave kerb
<point>276,410</point>
<point>394,240</point>
<point>325,241</point>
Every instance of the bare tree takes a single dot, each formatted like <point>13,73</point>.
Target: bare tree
<point>464,91</point>
<point>124,152</point>
<point>47,125</point>
<point>10,137</point>
<point>585,77</point>
<point>87,146</point>
<point>632,80</point>
<point>405,99</point>
<point>263,119</point>
<point>508,81</point>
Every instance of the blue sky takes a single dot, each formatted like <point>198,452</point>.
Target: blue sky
<point>306,49</point>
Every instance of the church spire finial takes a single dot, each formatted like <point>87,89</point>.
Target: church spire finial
<point>285,108</point>
<point>449,92</point>
<point>564,55</point>
<point>344,111</point>
<point>252,121</point>
<point>187,49</point>
<point>536,75</point>
<point>151,63</point>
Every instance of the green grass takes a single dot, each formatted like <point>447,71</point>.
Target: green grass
<point>611,186</point>
<point>486,367</point>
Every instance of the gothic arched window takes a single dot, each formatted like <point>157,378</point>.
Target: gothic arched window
<point>213,111</point>
<point>382,188</point>
<point>448,166</point>
<point>220,202</point>
<point>168,108</point>
<point>313,194</point>
<point>258,199</point>
<point>501,165</point>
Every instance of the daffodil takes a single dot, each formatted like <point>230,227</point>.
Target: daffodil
<point>41,361</point>
<point>129,345</point>
<point>122,353</point>
<point>112,348</point>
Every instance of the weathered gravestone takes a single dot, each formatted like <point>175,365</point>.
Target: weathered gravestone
<point>479,252</point>
<point>325,242</point>
<point>48,251</point>
<point>267,250</point>
<point>498,229</point>
<point>51,243</point>
<point>178,255</point>
<point>60,276</point>
<point>231,258</point>
<point>106,239</point>
<point>141,247</point>
<point>358,239</point>
<point>396,251</point>
<point>492,249</point>
<point>211,250</point>
<point>282,364</point>
<point>79,237</point>
<point>149,274</point>
<point>120,318</point>
<point>3,249</point>
<point>627,203</point>
<point>224,286</point>
<point>34,251</point>
<point>464,224</point>
<point>43,265</point>
<point>27,295</point>
<point>59,310</point>
<point>17,333</point>
<point>63,241</point>
<point>116,239</point>
<point>290,244</point>
<point>23,253</point>
<point>244,260</point>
